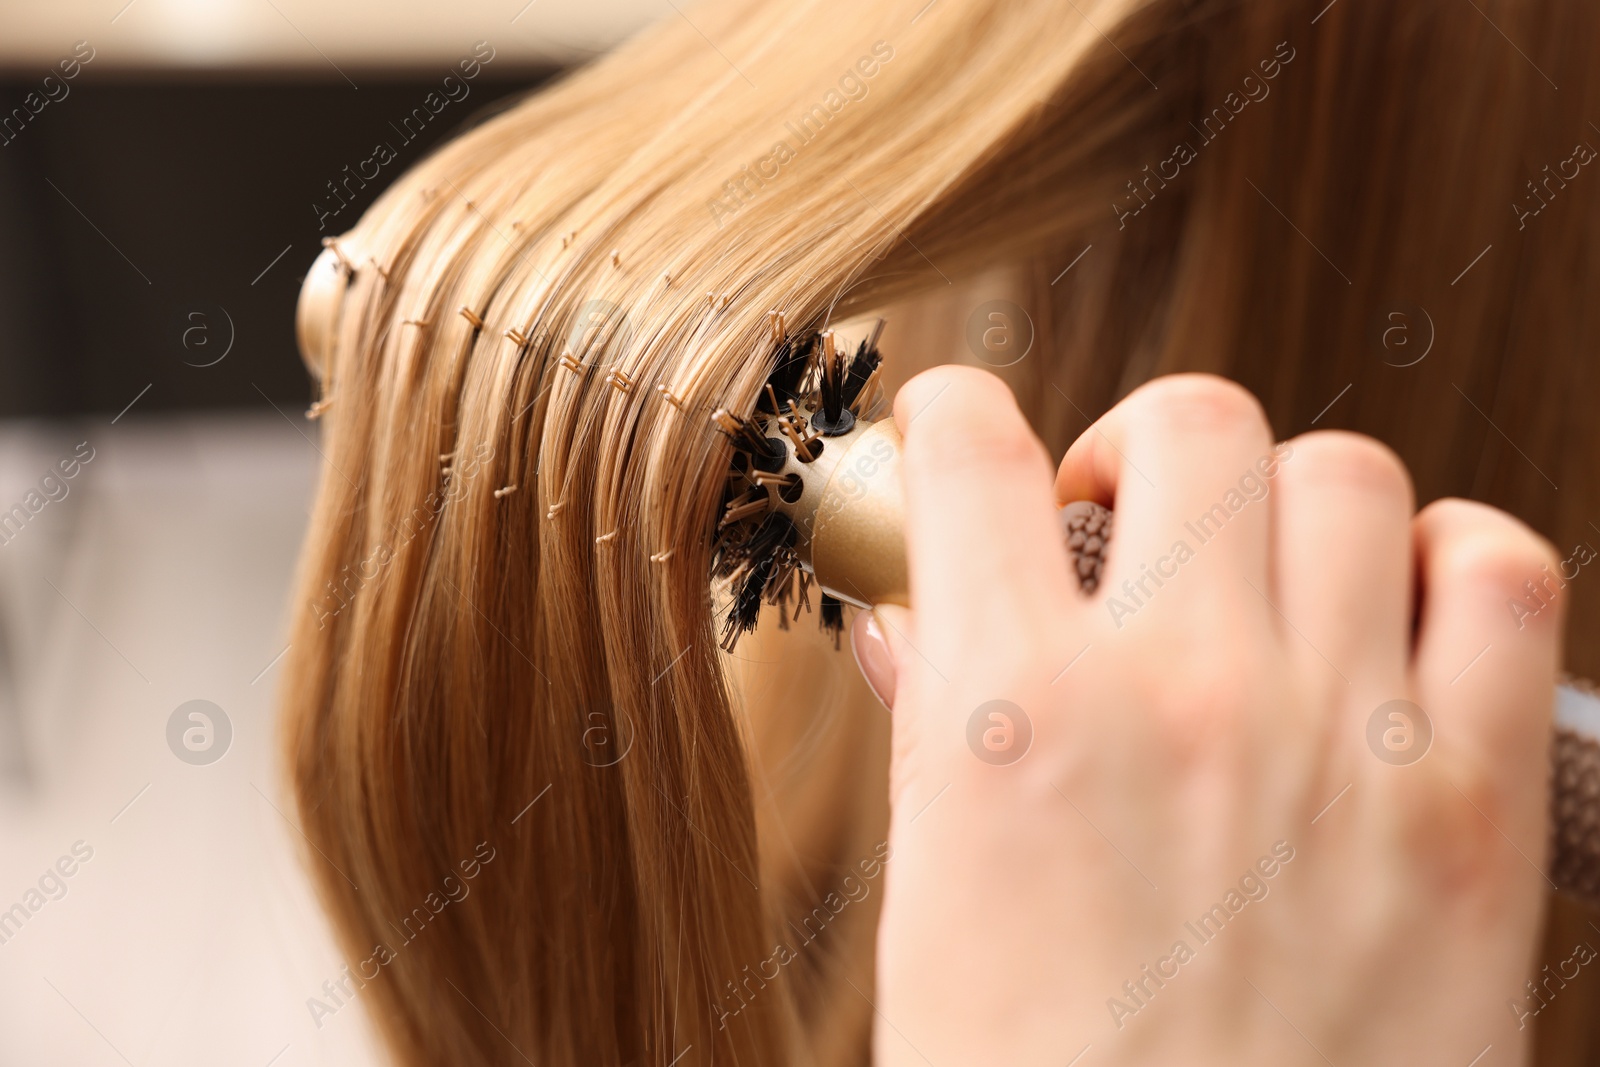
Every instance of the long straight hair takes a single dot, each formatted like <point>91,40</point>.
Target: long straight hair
<point>553,823</point>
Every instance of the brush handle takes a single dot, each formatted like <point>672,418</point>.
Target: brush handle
<point>1574,853</point>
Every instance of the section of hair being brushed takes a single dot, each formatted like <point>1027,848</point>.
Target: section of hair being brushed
<point>515,522</point>
<point>511,544</point>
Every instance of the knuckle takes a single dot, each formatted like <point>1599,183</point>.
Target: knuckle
<point>1201,402</point>
<point>998,445</point>
<point>945,388</point>
<point>1356,461</point>
<point>1453,825</point>
<point>1484,546</point>
<point>977,446</point>
<point>1198,712</point>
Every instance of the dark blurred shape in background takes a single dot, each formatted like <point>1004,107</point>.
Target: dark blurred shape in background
<point>149,220</point>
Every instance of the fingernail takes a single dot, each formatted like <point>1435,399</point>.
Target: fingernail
<point>872,657</point>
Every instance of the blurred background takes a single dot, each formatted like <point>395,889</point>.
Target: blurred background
<point>168,169</point>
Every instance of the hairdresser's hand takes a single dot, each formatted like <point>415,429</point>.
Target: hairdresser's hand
<point>1208,851</point>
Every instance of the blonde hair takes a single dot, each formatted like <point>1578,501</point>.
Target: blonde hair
<point>520,346</point>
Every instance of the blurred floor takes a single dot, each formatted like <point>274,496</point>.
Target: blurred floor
<point>190,935</point>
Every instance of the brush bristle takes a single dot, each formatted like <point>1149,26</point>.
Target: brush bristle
<point>832,615</point>
<point>754,546</point>
<point>866,361</point>
<point>790,368</point>
<point>755,564</point>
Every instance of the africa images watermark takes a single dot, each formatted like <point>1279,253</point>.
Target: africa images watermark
<point>1533,205</point>
<point>873,464</point>
<point>338,992</point>
<point>350,582</point>
<point>453,89</point>
<point>53,488</point>
<point>741,993</point>
<point>752,178</point>
<point>1251,90</point>
<point>51,885</point>
<point>1253,487</point>
<point>1253,887</point>
<point>1541,595</point>
<point>52,90</point>
<point>1541,994</point>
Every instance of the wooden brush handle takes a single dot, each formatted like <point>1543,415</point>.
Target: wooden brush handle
<point>1574,855</point>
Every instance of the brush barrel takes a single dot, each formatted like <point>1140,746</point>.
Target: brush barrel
<point>851,515</point>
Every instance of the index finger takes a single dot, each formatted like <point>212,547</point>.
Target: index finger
<point>983,545</point>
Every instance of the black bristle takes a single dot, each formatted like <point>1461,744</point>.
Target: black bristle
<point>756,564</point>
<point>789,372</point>
<point>747,601</point>
<point>832,613</point>
<point>861,367</point>
<point>830,387</point>
<point>777,531</point>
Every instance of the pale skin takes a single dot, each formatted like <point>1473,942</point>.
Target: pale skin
<point>1181,751</point>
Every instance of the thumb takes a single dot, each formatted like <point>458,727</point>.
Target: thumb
<point>878,640</point>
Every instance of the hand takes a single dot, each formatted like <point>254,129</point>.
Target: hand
<point>1198,830</point>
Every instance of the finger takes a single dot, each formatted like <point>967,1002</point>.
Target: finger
<point>1178,458</point>
<point>1342,555</point>
<point>983,546</point>
<point>1489,639</point>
